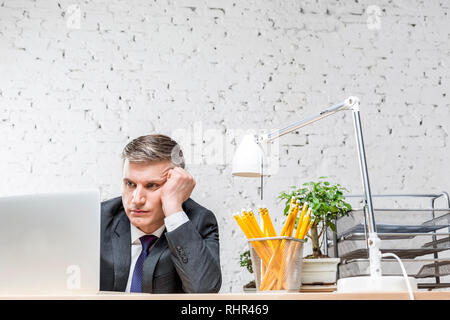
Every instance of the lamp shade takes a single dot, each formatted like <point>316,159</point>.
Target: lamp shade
<point>248,158</point>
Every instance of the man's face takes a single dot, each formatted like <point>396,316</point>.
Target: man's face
<point>141,190</point>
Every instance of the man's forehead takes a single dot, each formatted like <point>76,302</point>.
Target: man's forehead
<point>153,170</point>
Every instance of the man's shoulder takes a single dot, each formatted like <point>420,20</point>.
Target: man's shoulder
<point>111,207</point>
<point>195,210</point>
<point>190,206</point>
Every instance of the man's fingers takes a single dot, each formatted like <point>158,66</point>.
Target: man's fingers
<point>169,174</point>
<point>178,173</point>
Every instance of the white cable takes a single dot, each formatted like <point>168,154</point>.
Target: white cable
<point>405,275</point>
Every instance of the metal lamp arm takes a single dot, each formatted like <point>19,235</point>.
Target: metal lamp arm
<point>349,103</point>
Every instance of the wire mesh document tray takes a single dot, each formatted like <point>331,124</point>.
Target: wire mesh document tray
<point>393,223</point>
<point>419,245</point>
<point>414,267</point>
<point>437,269</point>
<point>401,253</point>
<point>441,243</point>
<point>407,231</point>
<point>441,220</point>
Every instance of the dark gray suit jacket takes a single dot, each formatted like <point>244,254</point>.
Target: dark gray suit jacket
<point>183,260</point>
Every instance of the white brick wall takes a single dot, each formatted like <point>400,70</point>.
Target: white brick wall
<point>80,79</point>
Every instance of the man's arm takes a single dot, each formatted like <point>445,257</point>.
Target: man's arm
<point>194,244</point>
<point>195,252</point>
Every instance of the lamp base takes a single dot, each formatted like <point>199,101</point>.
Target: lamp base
<point>375,284</point>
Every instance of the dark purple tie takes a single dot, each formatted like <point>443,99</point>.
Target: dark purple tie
<point>136,282</point>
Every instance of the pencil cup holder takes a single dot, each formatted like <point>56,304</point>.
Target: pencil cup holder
<point>277,263</point>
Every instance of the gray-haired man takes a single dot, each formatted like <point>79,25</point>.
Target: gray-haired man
<point>155,238</point>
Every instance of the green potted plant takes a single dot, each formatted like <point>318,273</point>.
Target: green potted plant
<point>246,262</point>
<point>327,203</point>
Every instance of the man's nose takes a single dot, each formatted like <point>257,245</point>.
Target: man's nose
<point>138,195</point>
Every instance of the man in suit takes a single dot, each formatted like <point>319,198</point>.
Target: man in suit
<point>154,238</point>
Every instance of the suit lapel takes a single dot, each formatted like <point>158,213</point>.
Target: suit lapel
<point>151,261</point>
<point>121,241</point>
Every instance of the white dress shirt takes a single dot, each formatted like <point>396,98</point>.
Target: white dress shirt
<point>171,223</point>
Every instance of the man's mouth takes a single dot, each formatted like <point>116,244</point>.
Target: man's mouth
<point>138,212</point>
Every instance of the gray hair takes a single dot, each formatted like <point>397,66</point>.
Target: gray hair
<point>154,147</point>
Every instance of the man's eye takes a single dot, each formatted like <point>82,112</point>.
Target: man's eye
<point>130,184</point>
<point>152,186</point>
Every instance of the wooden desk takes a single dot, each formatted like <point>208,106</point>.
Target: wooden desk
<point>420,295</point>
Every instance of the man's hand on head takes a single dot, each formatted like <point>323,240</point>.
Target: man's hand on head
<point>176,190</point>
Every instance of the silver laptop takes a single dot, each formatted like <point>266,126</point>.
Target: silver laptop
<point>50,244</point>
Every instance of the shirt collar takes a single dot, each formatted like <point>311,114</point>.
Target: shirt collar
<point>137,233</point>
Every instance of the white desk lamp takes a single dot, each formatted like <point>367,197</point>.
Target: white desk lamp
<point>248,162</point>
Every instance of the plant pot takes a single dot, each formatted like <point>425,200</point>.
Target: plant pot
<point>250,287</point>
<point>319,271</point>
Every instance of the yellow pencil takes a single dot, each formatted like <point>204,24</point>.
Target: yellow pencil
<point>305,222</point>
<point>307,229</point>
<point>268,227</point>
<point>300,220</point>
